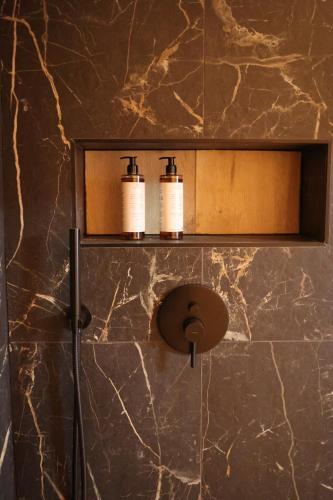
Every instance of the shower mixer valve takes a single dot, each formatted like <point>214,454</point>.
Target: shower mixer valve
<point>192,319</point>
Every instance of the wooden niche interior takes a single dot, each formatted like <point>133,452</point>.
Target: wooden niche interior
<point>225,192</point>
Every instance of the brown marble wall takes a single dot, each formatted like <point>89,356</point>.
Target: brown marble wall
<point>254,419</point>
<point>7,483</point>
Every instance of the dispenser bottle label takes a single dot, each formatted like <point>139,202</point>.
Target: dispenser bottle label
<point>171,203</point>
<point>133,200</point>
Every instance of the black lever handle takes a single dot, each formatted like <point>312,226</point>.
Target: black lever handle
<point>193,329</point>
<point>193,353</point>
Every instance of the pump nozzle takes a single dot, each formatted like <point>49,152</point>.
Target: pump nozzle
<point>132,168</point>
<point>171,167</point>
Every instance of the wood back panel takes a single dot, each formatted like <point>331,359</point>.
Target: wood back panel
<point>247,192</point>
<point>225,192</point>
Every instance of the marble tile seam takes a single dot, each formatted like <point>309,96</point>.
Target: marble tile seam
<point>161,342</point>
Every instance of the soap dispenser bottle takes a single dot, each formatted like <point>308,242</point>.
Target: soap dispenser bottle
<point>171,202</point>
<point>133,201</point>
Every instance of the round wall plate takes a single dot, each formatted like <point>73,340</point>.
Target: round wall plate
<point>192,301</point>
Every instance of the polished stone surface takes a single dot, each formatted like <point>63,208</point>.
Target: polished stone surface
<point>123,288</point>
<point>270,63</point>
<point>142,418</point>
<point>251,419</point>
<point>7,487</point>
<point>184,69</point>
<point>267,421</point>
<point>274,293</point>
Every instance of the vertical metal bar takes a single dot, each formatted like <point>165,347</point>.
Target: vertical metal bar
<point>74,274</point>
<point>75,300</point>
<point>74,270</point>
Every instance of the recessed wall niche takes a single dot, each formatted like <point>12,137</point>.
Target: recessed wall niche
<point>252,192</point>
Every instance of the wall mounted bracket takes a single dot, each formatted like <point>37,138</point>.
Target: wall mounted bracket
<point>84,317</point>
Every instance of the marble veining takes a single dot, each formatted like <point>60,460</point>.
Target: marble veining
<point>140,398</point>
<point>273,65</point>
<point>274,293</point>
<point>260,393</point>
<point>123,287</point>
<point>7,486</point>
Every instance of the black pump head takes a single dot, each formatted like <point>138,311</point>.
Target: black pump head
<point>171,167</point>
<point>132,168</point>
